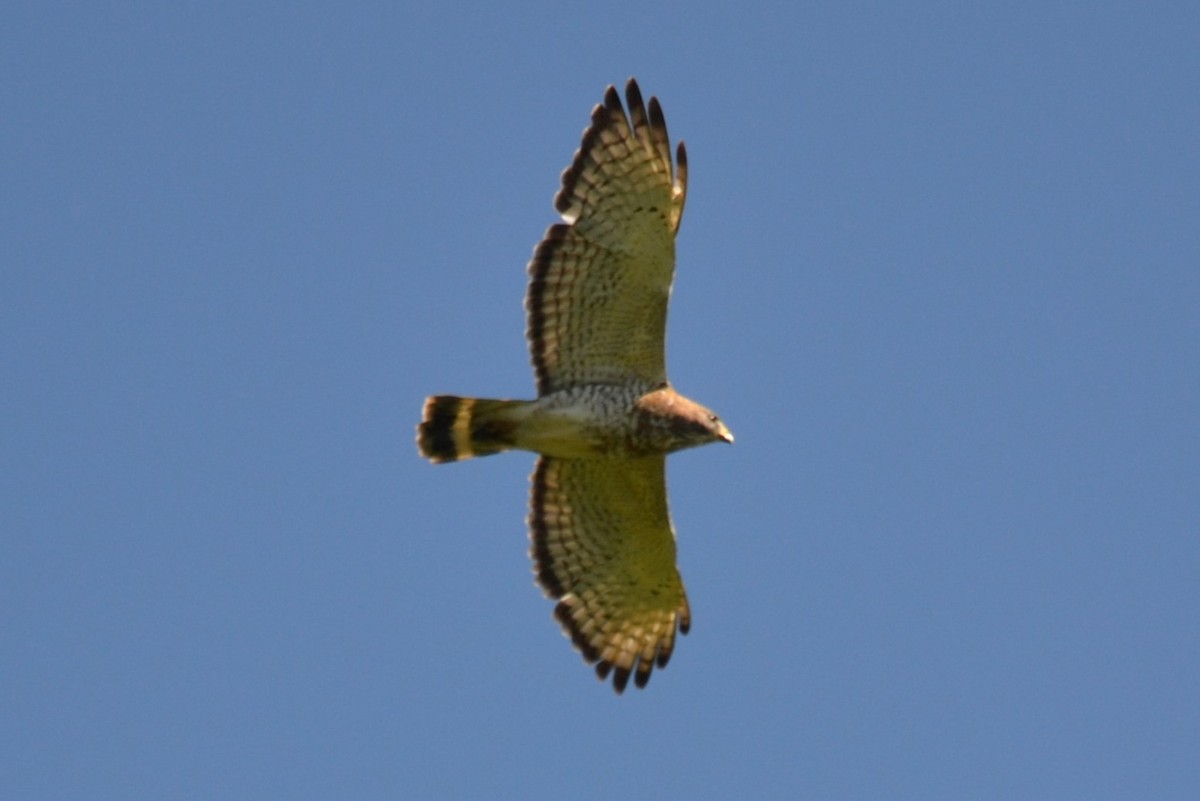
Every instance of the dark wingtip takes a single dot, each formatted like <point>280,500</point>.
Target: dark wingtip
<point>657,120</point>
<point>620,679</point>
<point>612,100</point>
<point>633,94</point>
<point>642,678</point>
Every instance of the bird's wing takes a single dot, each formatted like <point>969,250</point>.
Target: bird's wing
<point>600,281</point>
<point>603,545</point>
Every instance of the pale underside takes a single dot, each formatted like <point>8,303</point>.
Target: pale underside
<point>602,545</point>
<point>600,281</point>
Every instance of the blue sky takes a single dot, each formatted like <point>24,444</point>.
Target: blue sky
<point>938,272</point>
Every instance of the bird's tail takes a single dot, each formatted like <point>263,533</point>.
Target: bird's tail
<point>455,428</point>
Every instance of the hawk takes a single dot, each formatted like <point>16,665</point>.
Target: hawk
<point>605,417</point>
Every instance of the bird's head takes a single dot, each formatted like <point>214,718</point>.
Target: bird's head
<point>669,422</point>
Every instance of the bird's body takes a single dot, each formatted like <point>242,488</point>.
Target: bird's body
<point>575,423</point>
<point>605,416</point>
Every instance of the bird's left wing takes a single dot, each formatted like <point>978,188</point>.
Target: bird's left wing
<point>603,545</point>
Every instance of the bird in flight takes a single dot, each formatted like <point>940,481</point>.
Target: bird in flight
<point>605,417</point>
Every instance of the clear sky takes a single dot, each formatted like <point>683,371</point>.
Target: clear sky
<point>939,272</point>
